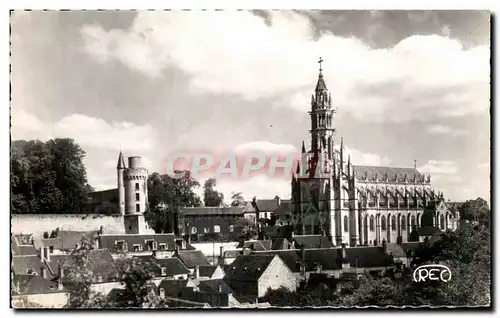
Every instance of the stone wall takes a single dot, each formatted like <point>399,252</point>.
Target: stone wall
<point>36,224</point>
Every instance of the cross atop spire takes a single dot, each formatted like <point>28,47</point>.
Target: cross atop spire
<point>320,61</point>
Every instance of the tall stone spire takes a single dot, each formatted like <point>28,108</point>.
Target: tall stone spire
<point>121,162</point>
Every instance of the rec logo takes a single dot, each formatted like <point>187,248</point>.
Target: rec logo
<point>432,272</point>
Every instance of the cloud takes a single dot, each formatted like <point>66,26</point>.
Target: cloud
<point>446,130</point>
<point>226,52</point>
<point>367,159</point>
<point>440,167</point>
<point>87,131</point>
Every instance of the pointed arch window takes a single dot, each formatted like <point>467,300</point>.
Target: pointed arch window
<point>372,223</point>
<point>393,223</point>
<point>441,222</point>
<point>403,223</point>
<point>412,221</point>
<point>346,224</point>
<point>383,223</point>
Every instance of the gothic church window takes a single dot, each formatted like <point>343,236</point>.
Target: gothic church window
<point>412,221</point>
<point>346,224</point>
<point>441,222</point>
<point>383,223</point>
<point>372,223</point>
<point>393,221</point>
<point>403,223</point>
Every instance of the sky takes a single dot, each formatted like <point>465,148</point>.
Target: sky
<point>407,85</point>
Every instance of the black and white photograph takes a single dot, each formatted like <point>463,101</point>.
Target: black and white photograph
<point>250,159</point>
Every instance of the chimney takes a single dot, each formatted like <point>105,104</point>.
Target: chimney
<point>318,268</point>
<point>278,200</point>
<point>42,253</point>
<point>43,272</point>
<point>96,243</point>
<point>384,246</point>
<point>221,250</point>
<point>197,271</point>
<point>162,293</point>
<point>101,230</point>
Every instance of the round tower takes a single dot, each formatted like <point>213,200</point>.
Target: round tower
<point>136,190</point>
<point>136,197</point>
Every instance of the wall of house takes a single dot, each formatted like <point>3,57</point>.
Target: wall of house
<point>36,224</point>
<point>275,276</point>
<point>218,273</point>
<point>52,300</point>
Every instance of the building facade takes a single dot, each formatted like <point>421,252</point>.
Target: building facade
<point>356,205</point>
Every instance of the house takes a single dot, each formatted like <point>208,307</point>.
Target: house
<point>215,292</point>
<point>250,276</point>
<point>280,244</point>
<point>187,216</point>
<point>311,241</point>
<point>211,272</point>
<point>211,229</point>
<point>169,268</point>
<point>262,209</point>
<point>35,291</point>
<point>162,245</point>
<point>256,245</point>
<point>231,255</point>
<point>423,233</point>
<point>22,245</point>
<point>214,250</point>
<point>283,213</point>
<point>192,259</point>
<point>172,288</point>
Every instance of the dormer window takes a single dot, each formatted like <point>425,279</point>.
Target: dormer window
<point>163,271</point>
<point>137,247</point>
<point>163,246</point>
<point>193,230</point>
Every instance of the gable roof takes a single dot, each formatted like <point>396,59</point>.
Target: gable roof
<point>267,205</point>
<point>172,265</point>
<point>173,287</point>
<point>212,286</point>
<point>22,245</point>
<point>31,285</point>
<point>312,241</point>
<point>207,270</point>
<point>285,208</point>
<point>371,256</point>
<point>291,258</point>
<point>211,211</point>
<point>248,267</point>
<point>258,245</point>
<point>192,258</point>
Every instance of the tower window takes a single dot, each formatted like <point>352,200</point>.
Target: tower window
<point>137,197</point>
<point>137,207</point>
<point>137,186</point>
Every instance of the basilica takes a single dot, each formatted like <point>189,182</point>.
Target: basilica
<point>358,205</point>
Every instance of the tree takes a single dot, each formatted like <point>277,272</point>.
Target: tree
<point>248,230</point>
<point>166,196</point>
<point>475,210</point>
<point>210,196</point>
<point>237,199</point>
<point>47,177</point>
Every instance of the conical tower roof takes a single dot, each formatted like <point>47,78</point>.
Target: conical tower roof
<point>121,162</point>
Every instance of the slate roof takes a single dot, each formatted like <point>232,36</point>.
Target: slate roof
<point>172,265</point>
<point>232,253</point>
<point>371,171</point>
<point>108,241</point>
<point>212,286</point>
<point>207,270</point>
<point>285,208</point>
<point>266,205</point>
<point>211,211</point>
<point>172,287</point>
<point>258,245</point>
<point>20,264</point>
<point>281,244</point>
<point>312,241</point>
<point>192,258</point>
<point>371,256</point>
<point>21,245</point>
<point>31,285</point>
<point>291,258</point>
<point>248,267</point>
<point>327,258</point>
<point>67,240</point>
<point>395,250</point>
